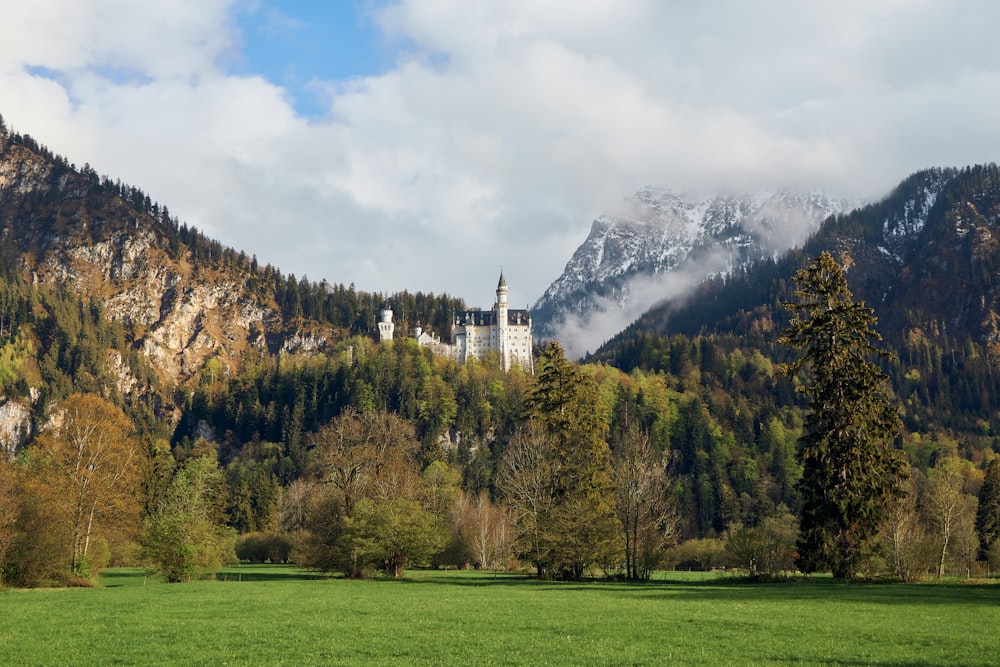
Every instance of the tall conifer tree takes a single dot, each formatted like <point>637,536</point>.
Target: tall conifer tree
<point>580,528</point>
<point>988,513</point>
<point>851,471</point>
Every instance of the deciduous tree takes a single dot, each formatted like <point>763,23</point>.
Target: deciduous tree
<point>186,533</point>
<point>949,510</point>
<point>369,513</point>
<point>524,479</point>
<point>94,467</point>
<point>643,503</point>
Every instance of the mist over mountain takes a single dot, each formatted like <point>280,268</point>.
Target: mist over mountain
<point>661,244</point>
<point>924,257</point>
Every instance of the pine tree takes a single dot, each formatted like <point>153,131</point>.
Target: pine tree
<point>851,472</point>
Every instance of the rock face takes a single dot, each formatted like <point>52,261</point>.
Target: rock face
<point>661,243</point>
<point>69,228</point>
<point>15,426</point>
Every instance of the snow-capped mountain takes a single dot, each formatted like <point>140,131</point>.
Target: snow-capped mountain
<point>659,244</point>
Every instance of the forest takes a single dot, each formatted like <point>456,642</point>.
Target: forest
<point>375,457</point>
<point>678,444</point>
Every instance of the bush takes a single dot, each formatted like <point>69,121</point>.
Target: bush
<point>701,554</point>
<point>763,551</point>
<point>260,548</point>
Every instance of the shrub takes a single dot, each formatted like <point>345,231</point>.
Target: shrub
<point>700,554</point>
<point>264,548</point>
<point>763,551</point>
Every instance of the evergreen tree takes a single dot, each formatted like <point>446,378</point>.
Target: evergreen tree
<point>988,513</point>
<point>580,528</point>
<point>851,473</point>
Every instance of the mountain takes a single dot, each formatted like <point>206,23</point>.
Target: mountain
<point>102,290</point>
<point>926,258</point>
<point>661,244</point>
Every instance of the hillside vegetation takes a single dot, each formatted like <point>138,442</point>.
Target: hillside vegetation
<point>253,400</point>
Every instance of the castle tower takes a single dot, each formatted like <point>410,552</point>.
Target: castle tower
<point>503,344</point>
<point>385,325</point>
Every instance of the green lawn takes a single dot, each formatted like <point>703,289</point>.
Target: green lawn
<point>275,615</point>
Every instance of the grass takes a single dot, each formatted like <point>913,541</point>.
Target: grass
<point>278,615</point>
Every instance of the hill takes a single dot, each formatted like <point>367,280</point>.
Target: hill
<point>176,303</point>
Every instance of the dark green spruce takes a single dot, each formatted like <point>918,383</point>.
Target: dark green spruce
<point>851,471</point>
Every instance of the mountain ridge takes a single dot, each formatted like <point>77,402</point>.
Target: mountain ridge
<point>661,243</point>
<point>182,302</point>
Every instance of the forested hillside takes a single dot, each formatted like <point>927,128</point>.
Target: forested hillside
<point>925,258</point>
<point>254,411</point>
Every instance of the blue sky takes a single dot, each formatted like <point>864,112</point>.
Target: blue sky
<point>423,144</point>
<point>297,43</point>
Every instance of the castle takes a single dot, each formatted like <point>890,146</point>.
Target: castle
<point>476,332</point>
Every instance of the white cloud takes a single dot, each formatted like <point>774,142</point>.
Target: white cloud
<point>505,127</point>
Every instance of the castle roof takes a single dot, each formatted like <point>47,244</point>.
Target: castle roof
<point>480,318</point>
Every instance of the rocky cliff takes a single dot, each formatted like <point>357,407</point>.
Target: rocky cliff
<point>69,229</point>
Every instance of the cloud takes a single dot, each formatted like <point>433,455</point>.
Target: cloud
<point>585,333</point>
<point>503,128</point>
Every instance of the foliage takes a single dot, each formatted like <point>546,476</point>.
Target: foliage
<point>988,511</point>
<point>186,533</point>
<point>9,509</point>
<point>851,474</point>
<point>368,512</point>
<point>264,548</point>
<point>558,478</point>
<point>698,554</point>
<point>763,551</point>
<point>84,472</point>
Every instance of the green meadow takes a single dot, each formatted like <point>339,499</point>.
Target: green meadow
<point>277,615</point>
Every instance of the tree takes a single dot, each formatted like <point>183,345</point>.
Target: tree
<point>187,532</point>
<point>523,478</point>
<point>851,472</point>
<point>94,469</point>
<point>577,525</point>
<point>949,510</point>
<point>988,512</point>
<point>352,450</point>
<point>643,504</point>
<point>9,509</point>
<point>394,533</point>
<point>483,526</point>
<point>369,512</point>
<point>764,551</point>
<point>904,539</point>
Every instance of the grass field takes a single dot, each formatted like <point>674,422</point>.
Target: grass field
<point>277,615</point>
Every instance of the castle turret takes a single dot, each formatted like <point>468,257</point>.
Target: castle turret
<point>385,325</point>
<point>503,344</point>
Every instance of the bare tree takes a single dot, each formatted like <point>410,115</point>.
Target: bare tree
<point>904,537</point>
<point>642,503</point>
<point>524,480</point>
<point>946,505</point>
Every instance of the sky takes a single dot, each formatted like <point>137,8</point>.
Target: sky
<point>425,144</point>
